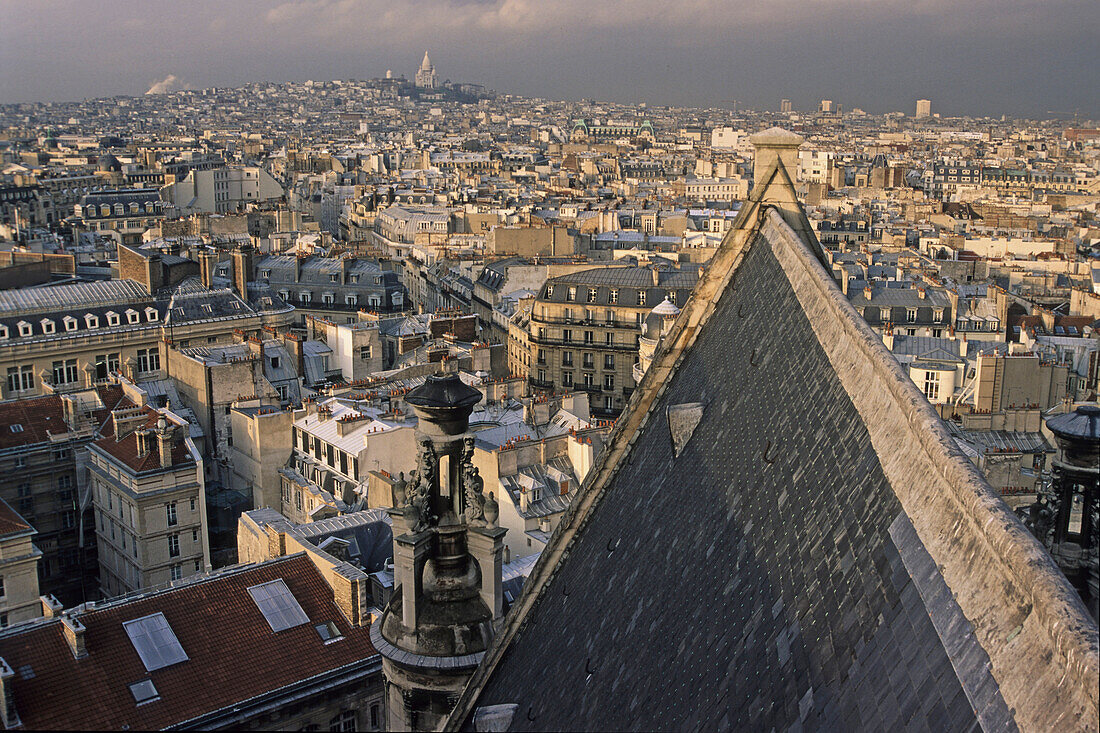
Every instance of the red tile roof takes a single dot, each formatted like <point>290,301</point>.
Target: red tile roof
<point>233,654</point>
<point>126,450</point>
<point>39,417</point>
<point>10,521</point>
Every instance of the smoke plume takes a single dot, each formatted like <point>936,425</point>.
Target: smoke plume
<point>166,84</point>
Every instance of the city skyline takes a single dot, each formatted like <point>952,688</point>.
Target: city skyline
<point>705,56</point>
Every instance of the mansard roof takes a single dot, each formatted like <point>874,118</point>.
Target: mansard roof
<point>781,533</point>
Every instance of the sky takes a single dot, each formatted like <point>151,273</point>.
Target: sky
<point>978,57</point>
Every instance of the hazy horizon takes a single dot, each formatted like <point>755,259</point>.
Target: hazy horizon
<point>1023,58</point>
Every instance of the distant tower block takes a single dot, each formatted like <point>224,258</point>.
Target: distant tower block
<point>826,105</point>
<point>924,108</point>
<point>785,106</point>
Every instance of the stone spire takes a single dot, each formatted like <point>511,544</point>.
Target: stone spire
<point>447,599</point>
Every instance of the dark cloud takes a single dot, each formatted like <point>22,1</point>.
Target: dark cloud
<point>982,57</point>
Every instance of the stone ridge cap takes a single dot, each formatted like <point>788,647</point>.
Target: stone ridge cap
<point>720,275</point>
<point>1021,557</point>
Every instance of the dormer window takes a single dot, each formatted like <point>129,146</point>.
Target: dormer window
<point>70,323</point>
<point>265,274</point>
<point>937,314</point>
<point>25,328</point>
<point>48,326</point>
<point>333,278</point>
<point>3,332</point>
<point>112,318</point>
<point>152,315</point>
<point>549,291</point>
<point>132,316</point>
<point>641,297</point>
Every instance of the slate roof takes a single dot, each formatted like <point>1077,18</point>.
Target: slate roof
<point>232,653</point>
<point>813,552</point>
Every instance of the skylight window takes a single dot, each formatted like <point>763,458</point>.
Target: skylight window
<point>328,631</point>
<point>278,605</point>
<point>17,428</point>
<point>155,642</point>
<point>144,691</point>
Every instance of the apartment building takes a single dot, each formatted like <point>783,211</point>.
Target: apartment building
<point>19,558</point>
<point>584,328</point>
<point>150,501</point>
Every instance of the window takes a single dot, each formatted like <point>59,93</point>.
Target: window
<point>910,315</point>
<point>105,364</point>
<point>132,316</point>
<point>68,520</point>
<point>375,716</point>
<point>144,691</point>
<point>177,572</point>
<point>195,536</point>
<point>609,381</point>
<point>566,358</point>
<point>364,352</point>
<point>932,385</point>
<point>567,379</point>
<point>48,326</point>
<point>3,332</point>
<point>613,296</point>
<point>549,291</point>
<point>275,361</point>
<point>609,338</point>
<point>571,294</point>
<point>589,337</point>
<point>278,605</point>
<point>344,722</point>
<point>566,335</point>
<point>20,378</point>
<point>1,586</point>
<point>173,545</point>
<point>937,314</point>
<point>148,360</point>
<point>170,510</point>
<point>151,315</point>
<point>64,372</point>
<point>641,297</point>
<point>884,314</point>
<point>592,295</point>
<point>588,380</point>
<point>155,642</point>
<point>328,631</point>
<point>192,505</point>
<point>589,360</point>
<point>333,278</point>
<point>608,361</point>
<point>24,328</point>
<point>112,318</point>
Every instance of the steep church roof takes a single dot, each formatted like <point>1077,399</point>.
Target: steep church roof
<point>782,533</point>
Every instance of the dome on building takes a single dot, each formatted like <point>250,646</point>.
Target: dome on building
<point>660,318</point>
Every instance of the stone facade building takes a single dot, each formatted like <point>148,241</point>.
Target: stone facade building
<point>19,559</point>
<point>149,491</point>
<point>584,328</point>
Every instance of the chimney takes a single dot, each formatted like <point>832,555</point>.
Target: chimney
<point>242,269</point>
<point>164,441</point>
<point>10,717</point>
<point>208,261</point>
<point>921,293</point>
<point>51,607</point>
<point>142,443</point>
<point>73,631</point>
<point>868,292</point>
